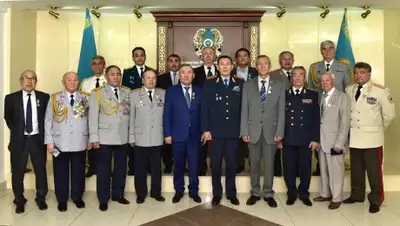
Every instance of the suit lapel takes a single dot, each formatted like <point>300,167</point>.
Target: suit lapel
<point>331,102</point>
<point>21,106</point>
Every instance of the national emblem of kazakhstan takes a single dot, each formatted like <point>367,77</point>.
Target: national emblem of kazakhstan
<point>208,37</point>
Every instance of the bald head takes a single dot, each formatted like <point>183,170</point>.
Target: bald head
<point>70,81</point>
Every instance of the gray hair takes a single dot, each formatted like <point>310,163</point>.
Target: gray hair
<point>327,42</point>
<point>69,72</point>
<point>333,76</point>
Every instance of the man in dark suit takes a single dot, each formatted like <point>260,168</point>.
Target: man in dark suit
<point>245,71</point>
<point>206,71</point>
<point>182,129</point>
<point>24,113</point>
<point>132,78</point>
<point>302,126</point>
<point>286,60</point>
<point>165,81</point>
<point>220,118</point>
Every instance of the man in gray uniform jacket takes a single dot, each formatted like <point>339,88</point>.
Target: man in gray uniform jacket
<point>108,126</point>
<point>67,137</point>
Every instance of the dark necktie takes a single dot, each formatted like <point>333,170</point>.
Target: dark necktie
<point>97,82</point>
<point>116,92</point>
<point>289,76</point>
<point>358,93</point>
<point>209,73</point>
<point>71,101</point>
<point>263,94</point>
<point>150,97</point>
<point>141,72</point>
<point>297,92</point>
<point>187,96</point>
<point>327,67</point>
<point>28,120</point>
<point>174,78</point>
<point>226,83</point>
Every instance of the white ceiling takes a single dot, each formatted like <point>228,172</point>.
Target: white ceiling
<point>119,6</point>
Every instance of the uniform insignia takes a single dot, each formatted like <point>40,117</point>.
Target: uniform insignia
<point>371,100</point>
<point>236,89</point>
<point>378,85</point>
<point>349,85</point>
<point>216,80</point>
<point>307,101</point>
<point>99,88</point>
<point>125,88</point>
<point>84,93</point>
<point>129,68</point>
<point>135,90</point>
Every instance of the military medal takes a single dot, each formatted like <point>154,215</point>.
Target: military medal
<point>193,96</point>
<point>38,103</point>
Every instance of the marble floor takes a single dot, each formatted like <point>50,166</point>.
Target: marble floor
<point>165,214</point>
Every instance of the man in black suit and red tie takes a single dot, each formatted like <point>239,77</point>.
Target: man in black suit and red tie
<point>24,113</point>
<point>206,71</point>
<point>165,81</point>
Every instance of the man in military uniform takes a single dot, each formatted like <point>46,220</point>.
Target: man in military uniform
<point>286,60</point>
<point>244,70</point>
<point>108,127</point>
<point>301,136</point>
<point>372,111</point>
<point>67,138</point>
<point>132,78</point>
<point>87,85</point>
<point>146,135</point>
<point>341,70</point>
<point>221,123</point>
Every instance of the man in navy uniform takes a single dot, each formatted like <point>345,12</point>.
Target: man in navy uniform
<point>132,78</point>
<point>221,123</point>
<point>301,136</point>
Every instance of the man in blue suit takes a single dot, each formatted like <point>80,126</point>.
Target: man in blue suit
<point>132,78</point>
<point>220,118</point>
<point>182,129</point>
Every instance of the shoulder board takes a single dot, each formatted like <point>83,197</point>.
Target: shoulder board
<point>84,93</point>
<point>135,90</point>
<point>313,64</point>
<point>126,88</point>
<point>349,85</point>
<point>213,77</point>
<point>99,88</point>
<point>128,68</point>
<point>54,94</point>
<point>238,77</point>
<point>160,89</point>
<point>378,85</point>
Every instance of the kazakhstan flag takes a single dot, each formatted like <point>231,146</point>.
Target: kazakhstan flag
<point>344,52</point>
<point>88,49</point>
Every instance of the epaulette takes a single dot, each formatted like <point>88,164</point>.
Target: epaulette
<point>211,77</point>
<point>84,93</point>
<point>313,64</point>
<point>128,68</point>
<point>126,88</point>
<point>99,88</point>
<point>161,89</point>
<point>349,85</point>
<point>135,90</point>
<point>238,77</point>
<point>378,85</point>
<point>54,94</point>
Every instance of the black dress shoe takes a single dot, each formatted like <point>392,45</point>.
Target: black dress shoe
<point>131,173</point>
<point>79,204</point>
<point>139,200</point>
<point>322,199</point>
<point>252,200</point>
<point>89,174</point>
<point>103,206</point>
<point>158,198</point>
<point>351,201</point>
<point>216,201</point>
<point>195,197</point>
<point>20,208</point>
<point>41,205</point>
<point>234,201</point>
<point>306,201</point>
<point>121,200</point>
<point>27,170</point>
<point>373,208</point>
<point>177,197</point>
<point>62,206</point>
<point>290,201</point>
<point>271,202</point>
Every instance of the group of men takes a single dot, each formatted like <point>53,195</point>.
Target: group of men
<point>145,117</point>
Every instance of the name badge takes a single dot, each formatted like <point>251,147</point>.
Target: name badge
<point>307,101</point>
<point>371,100</point>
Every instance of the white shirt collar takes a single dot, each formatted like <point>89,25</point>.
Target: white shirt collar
<point>294,89</point>
<point>138,68</point>
<point>245,69</point>
<point>330,63</point>
<point>26,93</point>
<point>183,86</point>
<point>69,94</point>
<point>112,88</point>
<point>331,91</point>
<point>212,69</point>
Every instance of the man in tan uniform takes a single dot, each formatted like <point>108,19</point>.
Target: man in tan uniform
<point>372,111</point>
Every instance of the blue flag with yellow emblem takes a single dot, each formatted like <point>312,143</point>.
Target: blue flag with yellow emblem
<point>88,49</point>
<point>344,52</point>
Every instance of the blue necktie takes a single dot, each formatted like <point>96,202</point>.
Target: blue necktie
<point>28,120</point>
<point>226,83</point>
<point>71,101</point>
<point>263,94</point>
<point>187,96</point>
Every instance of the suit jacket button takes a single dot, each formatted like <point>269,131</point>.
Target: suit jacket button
<point>261,122</point>
<point>292,124</point>
<point>227,118</point>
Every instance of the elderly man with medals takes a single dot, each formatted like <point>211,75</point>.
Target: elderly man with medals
<point>67,136</point>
